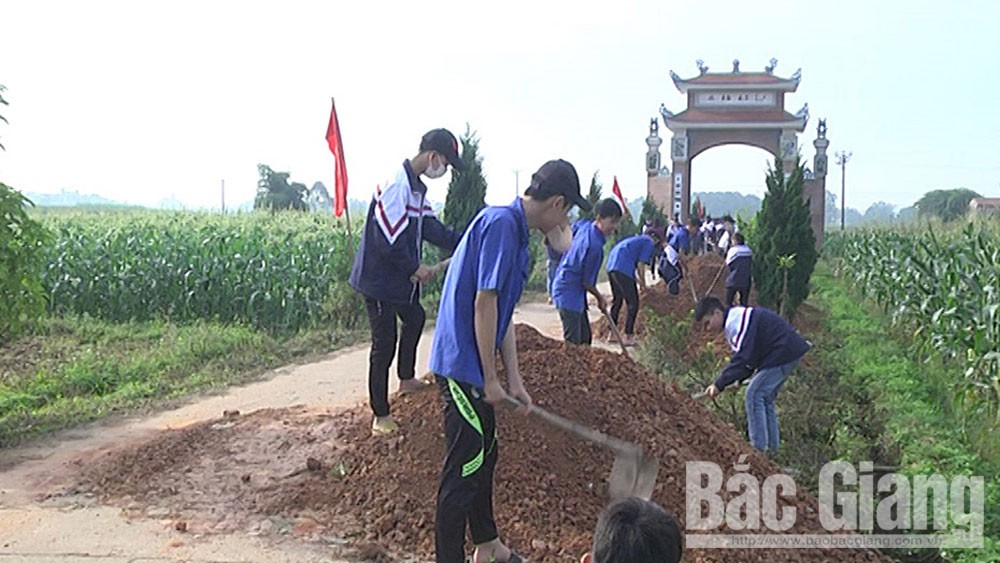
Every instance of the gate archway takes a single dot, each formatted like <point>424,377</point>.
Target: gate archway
<point>733,108</point>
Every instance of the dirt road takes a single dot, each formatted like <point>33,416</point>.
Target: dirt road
<point>40,521</point>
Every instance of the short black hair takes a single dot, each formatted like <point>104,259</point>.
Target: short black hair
<point>739,238</point>
<point>693,222</point>
<point>706,307</point>
<point>633,530</point>
<point>538,194</point>
<point>608,208</point>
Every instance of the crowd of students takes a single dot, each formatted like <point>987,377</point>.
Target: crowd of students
<point>484,281</point>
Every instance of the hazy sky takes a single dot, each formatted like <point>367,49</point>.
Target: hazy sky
<point>141,101</point>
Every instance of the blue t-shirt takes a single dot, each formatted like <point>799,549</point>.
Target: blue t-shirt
<point>680,240</point>
<point>626,255</point>
<point>579,266</point>
<point>492,256</point>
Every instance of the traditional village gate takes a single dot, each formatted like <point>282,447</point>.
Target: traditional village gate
<point>733,108</point>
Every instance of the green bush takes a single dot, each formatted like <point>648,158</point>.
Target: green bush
<point>22,241</point>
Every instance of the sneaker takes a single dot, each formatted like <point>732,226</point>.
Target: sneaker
<point>631,340</point>
<point>383,425</point>
<point>407,386</point>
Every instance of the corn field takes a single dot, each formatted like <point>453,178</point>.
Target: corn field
<point>278,272</point>
<point>943,286</point>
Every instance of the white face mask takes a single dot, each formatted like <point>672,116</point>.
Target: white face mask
<point>560,238</point>
<point>433,172</point>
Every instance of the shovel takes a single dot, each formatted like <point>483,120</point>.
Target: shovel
<point>614,330</point>
<point>716,280</point>
<point>633,473</point>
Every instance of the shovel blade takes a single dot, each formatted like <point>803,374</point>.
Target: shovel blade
<point>633,474</point>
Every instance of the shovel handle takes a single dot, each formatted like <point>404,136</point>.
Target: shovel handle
<point>580,430</point>
<point>716,280</point>
<point>615,331</point>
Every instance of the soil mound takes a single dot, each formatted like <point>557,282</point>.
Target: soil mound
<point>321,476</point>
<point>702,270</point>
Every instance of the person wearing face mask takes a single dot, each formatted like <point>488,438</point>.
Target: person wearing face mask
<point>484,282</point>
<point>388,273</point>
<point>578,271</point>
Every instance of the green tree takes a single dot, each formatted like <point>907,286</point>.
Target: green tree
<point>22,244</point>
<point>880,213</point>
<point>275,193</point>
<point>946,205</point>
<point>653,214</point>
<point>467,189</point>
<point>783,228</point>
<point>593,196</point>
<point>319,198</point>
<point>3,102</point>
<point>628,227</point>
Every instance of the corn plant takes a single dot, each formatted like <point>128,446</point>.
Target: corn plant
<point>941,285</point>
<point>280,272</point>
<point>22,242</point>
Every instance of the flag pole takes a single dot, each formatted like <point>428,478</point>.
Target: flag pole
<point>347,207</point>
<point>347,215</point>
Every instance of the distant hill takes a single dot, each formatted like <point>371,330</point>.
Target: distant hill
<point>718,204</point>
<point>71,199</point>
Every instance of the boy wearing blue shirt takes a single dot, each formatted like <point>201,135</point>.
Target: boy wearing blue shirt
<point>552,259</point>
<point>578,270</point>
<point>483,284</point>
<point>764,343</point>
<point>625,259</point>
<point>669,266</point>
<point>682,236</point>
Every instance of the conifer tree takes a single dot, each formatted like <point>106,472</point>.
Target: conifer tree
<point>594,197</point>
<point>783,229</point>
<point>467,189</point>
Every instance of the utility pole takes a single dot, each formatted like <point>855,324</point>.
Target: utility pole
<point>517,183</point>
<point>842,158</point>
<point>223,197</point>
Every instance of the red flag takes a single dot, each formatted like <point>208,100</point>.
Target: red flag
<point>618,194</point>
<point>337,148</point>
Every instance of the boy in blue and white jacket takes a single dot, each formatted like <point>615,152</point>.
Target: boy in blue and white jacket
<point>739,260</point>
<point>764,343</point>
<point>388,272</point>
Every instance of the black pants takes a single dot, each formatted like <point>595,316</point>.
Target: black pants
<point>624,288</point>
<point>744,295</point>
<point>576,327</point>
<point>465,495</point>
<point>672,275</point>
<point>382,319</point>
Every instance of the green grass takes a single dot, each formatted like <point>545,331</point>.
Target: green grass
<point>858,396</point>
<point>84,369</point>
<point>911,398</point>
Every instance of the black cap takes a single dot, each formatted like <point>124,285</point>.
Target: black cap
<point>442,141</point>
<point>558,177</point>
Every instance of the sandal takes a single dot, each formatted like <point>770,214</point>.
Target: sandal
<point>514,558</point>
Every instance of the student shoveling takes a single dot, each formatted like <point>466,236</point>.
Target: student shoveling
<point>379,491</point>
